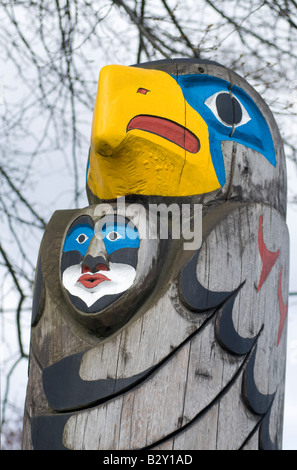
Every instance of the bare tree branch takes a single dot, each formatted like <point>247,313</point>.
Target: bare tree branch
<point>184,37</point>
<point>21,197</point>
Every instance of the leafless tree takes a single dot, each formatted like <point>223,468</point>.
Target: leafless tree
<point>51,52</point>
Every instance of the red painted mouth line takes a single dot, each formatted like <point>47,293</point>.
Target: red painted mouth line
<point>92,280</point>
<point>167,129</point>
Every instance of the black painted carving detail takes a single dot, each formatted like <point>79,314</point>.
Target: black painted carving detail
<point>47,431</point>
<point>229,109</point>
<point>73,393</point>
<point>227,336</point>
<point>265,442</point>
<point>39,296</point>
<point>196,297</point>
<point>65,390</point>
<point>256,401</point>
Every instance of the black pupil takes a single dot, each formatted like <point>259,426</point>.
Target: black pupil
<point>228,109</point>
<point>113,235</point>
<point>81,238</point>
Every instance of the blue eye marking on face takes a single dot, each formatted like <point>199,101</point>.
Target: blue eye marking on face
<point>117,236</point>
<point>253,131</point>
<point>79,238</point>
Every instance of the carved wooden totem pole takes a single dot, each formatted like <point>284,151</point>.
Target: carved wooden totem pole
<point>145,341</point>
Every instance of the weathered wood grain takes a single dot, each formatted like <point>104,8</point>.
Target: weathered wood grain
<point>191,389</point>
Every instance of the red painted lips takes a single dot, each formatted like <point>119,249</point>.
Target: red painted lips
<point>92,280</point>
<point>167,129</point>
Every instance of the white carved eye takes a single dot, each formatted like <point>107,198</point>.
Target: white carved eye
<point>227,109</point>
<point>82,238</point>
<point>113,236</point>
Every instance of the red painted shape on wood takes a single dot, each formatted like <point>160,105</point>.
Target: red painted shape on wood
<point>143,91</point>
<point>167,129</point>
<point>268,257</point>
<point>283,308</point>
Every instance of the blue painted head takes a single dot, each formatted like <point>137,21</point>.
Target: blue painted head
<point>230,114</point>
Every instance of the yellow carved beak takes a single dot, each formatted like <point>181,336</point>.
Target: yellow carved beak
<point>146,139</point>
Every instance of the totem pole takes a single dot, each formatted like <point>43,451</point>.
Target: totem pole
<point>176,342</point>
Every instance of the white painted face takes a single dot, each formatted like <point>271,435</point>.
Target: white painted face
<point>99,260</point>
<point>108,265</point>
<point>91,286</point>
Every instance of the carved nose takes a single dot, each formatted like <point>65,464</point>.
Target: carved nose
<point>93,265</point>
<point>96,258</point>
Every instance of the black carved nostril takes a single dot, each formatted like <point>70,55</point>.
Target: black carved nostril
<point>91,264</point>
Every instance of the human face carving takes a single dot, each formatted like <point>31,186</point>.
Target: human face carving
<point>99,261</point>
